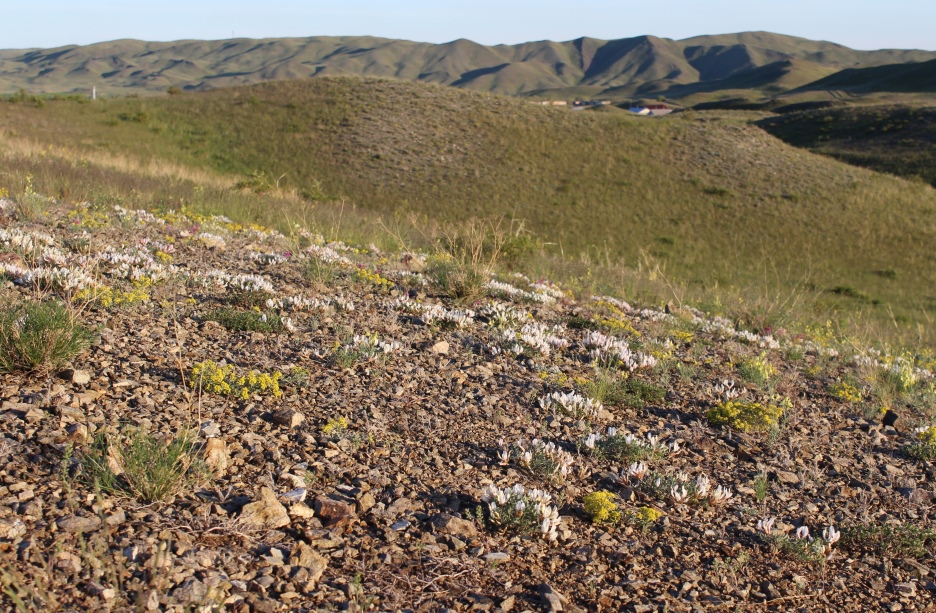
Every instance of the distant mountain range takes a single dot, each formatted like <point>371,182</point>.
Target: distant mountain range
<point>643,66</point>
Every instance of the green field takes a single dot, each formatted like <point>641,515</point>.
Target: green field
<point>709,199</point>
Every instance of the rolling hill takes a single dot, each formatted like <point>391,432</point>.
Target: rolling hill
<point>897,139</point>
<point>710,197</point>
<point>916,77</point>
<point>640,66</point>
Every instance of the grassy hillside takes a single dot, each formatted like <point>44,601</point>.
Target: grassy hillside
<point>710,197</point>
<point>642,65</point>
<point>900,140</point>
<point>915,77</point>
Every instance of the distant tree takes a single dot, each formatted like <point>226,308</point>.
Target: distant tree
<point>174,90</point>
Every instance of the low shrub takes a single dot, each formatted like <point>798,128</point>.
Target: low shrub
<point>247,321</point>
<point>745,416</point>
<point>601,508</point>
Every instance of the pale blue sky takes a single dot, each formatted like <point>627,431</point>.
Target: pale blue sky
<point>861,24</point>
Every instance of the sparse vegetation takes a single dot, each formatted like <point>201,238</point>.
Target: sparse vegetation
<point>601,508</point>
<point>247,321</point>
<point>138,463</point>
<point>745,416</point>
<point>39,337</point>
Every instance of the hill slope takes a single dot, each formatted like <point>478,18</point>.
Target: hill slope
<point>897,139</point>
<point>914,77</point>
<point>640,65</point>
<point>713,198</point>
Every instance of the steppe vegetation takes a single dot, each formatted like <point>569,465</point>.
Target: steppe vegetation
<point>707,202</point>
<point>441,416</point>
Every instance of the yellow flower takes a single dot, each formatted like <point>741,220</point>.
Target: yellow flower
<point>601,507</point>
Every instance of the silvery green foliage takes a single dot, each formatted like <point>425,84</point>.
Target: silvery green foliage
<point>609,351</point>
<point>571,404</point>
<point>520,510</point>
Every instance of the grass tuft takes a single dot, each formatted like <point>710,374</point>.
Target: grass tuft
<point>40,337</point>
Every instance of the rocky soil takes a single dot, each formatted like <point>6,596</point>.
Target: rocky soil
<point>360,487</point>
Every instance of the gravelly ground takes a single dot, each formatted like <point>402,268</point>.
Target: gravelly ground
<point>382,514</point>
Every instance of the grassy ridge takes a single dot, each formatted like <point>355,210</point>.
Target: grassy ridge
<point>900,140</point>
<point>710,197</point>
<point>638,66</point>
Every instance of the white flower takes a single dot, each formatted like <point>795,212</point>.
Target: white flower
<point>802,533</point>
<point>637,470</point>
<point>678,493</point>
<point>831,535</point>
<point>720,495</point>
<point>766,525</point>
<point>703,486</point>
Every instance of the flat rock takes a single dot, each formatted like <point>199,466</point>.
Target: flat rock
<point>444,523</point>
<point>442,347</point>
<point>267,512</point>
<point>787,477</point>
<point>76,523</point>
<point>334,512</point>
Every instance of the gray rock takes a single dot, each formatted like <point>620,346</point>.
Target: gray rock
<point>444,523</point>
<point>210,429</point>
<point>75,523</point>
<point>11,528</point>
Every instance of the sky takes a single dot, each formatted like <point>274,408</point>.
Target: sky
<point>860,24</point>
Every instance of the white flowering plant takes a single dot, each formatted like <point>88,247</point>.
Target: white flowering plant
<point>801,545</point>
<point>518,510</point>
<point>622,446</point>
<point>679,488</point>
<point>541,458</point>
<point>571,404</point>
<point>363,348</point>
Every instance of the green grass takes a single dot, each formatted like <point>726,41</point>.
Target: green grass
<point>139,464</point>
<point>247,321</point>
<point>599,190</point>
<point>40,337</point>
<point>896,139</point>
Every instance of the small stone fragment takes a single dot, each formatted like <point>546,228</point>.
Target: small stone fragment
<point>550,597</point>
<point>366,502</point>
<point>288,418</point>
<point>267,512</point>
<point>78,377</point>
<point>210,429</point>
<point>444,523</point>
<point>76,523</point>
<point>34,415</point>
<point>216,456</point>
<point>442,347</point>
<point>77,433</point>
<point>303,555</point>
<point>787,477</point>
<point>301,511</point>
<point>11,528</point>
<point>333,512</point>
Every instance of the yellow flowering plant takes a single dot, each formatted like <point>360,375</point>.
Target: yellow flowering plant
<point>225,381</point>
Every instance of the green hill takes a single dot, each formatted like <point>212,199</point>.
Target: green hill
<point>711,197</point>
<point>585,66</point>
<point>897,139</point>
<point>914,77</point>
